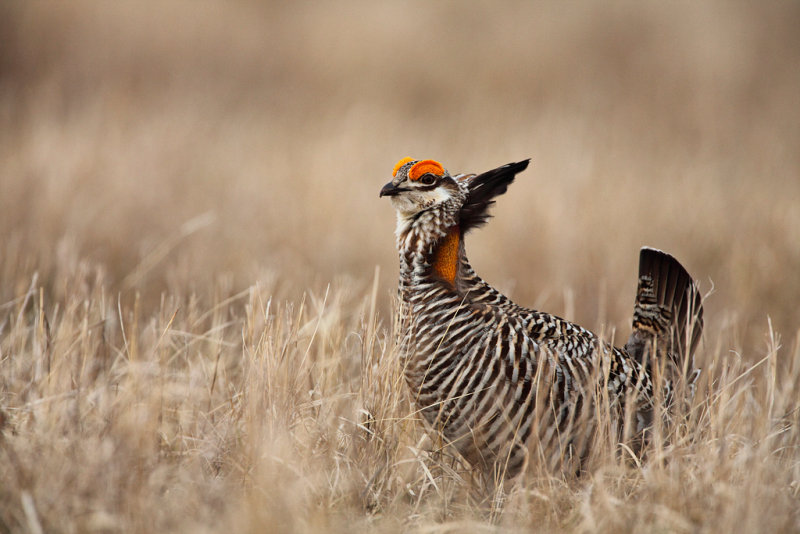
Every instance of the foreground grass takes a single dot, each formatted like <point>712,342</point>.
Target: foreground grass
<point>156,157</point>
<point>250,414</point>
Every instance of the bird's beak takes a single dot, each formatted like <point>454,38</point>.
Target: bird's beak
<point>390,190</point>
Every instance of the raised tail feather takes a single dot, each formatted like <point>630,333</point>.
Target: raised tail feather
<point>668,311</point>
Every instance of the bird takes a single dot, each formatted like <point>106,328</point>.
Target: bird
<point>505,385</point>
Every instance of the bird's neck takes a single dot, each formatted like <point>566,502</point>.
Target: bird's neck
<point>431,246</point>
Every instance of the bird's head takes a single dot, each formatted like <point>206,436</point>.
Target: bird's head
<point>419,185</point>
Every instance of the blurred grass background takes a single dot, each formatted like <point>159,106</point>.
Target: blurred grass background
<point>181,181</point>
<point>176,143</point>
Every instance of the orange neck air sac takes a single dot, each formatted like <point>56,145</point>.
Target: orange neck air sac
<point>445,258</point>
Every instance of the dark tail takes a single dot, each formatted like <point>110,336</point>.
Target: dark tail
<point>668,310</point>
<point>482,190</point>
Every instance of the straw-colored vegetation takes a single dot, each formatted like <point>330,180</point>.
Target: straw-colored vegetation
<point>196,273</point>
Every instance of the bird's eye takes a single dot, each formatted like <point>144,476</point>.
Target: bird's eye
<point>427,179</point>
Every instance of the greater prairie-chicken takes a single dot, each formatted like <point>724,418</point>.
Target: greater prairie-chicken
<point>507,385</point>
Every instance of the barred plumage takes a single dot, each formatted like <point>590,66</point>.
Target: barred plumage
<point>499,381</point>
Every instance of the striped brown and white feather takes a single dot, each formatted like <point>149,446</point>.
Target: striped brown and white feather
<point>495,380</point>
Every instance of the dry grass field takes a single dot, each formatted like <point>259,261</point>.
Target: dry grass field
<point>197,274</point>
